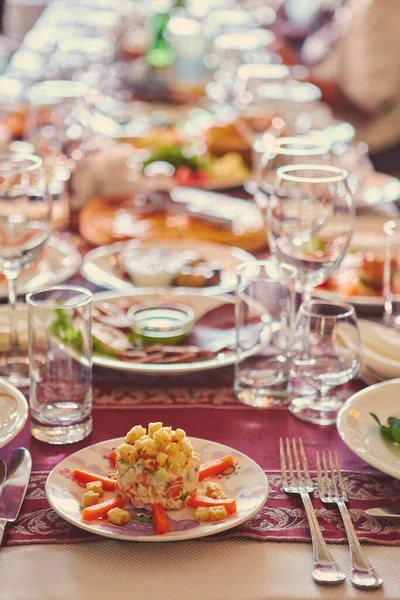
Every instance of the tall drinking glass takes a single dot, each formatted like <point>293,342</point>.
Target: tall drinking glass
<point>25,225</point>
<point>325,354</point>
<point>60,354</point>
<point>264,311</point>
<point>310,221</point>
<point>391,279</point>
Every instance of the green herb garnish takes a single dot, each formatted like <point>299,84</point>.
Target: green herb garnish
<point>175,156</point>
<point>391,431</point>
<point>142,518</point>
<point>62,327</point>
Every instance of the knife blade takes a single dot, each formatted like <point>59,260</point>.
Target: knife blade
<point>14,489</point>
<point>384,511</point>
<point>3,474</point>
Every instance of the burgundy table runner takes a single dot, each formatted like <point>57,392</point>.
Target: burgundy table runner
<point>203,404</point>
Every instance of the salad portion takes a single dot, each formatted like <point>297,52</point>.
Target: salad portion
<point>157,469</point>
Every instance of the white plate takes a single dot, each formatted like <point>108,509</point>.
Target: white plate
<point>61,261</point>
<point>98,264</point>
<point>361,433</point>
<point>247,484</point>
<point>200,304</point>
<point>13,412</point>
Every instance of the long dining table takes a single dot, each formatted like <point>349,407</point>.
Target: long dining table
<point>268,557</point>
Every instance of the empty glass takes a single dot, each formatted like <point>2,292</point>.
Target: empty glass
<point>392,274</point>
<point>264,309</point>
<point>310,221</point>
<point>60,356</point>
<point>25,225</point>
<point>326,353</point>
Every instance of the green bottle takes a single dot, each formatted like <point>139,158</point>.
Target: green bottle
<point>161,52</point>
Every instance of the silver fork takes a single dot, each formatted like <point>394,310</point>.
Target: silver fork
<point>332,490</point>
<point>325,568</point>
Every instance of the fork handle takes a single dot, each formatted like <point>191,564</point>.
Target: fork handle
<point>325,569</point>
<point>362,573</point>
<point>3,523</point>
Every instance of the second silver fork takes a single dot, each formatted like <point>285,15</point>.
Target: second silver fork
<point>325,569</point>
<point>332,490</point>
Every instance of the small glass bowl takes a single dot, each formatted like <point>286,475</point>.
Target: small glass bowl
<point>160,323</point>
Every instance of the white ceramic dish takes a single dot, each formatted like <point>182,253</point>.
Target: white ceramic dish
<point>200,304</point>
<point>247,484</point>
<point>13,412</point>
<point>61,260</point>
<point>99,264</point>
<point>361,433</point>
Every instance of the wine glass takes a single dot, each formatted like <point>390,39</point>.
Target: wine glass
<point>270,153</point>
<point>310,221</point>
<point>326,353</point>
<point>25,225</point>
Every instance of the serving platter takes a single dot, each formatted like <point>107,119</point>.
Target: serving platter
<point>246,482</point>
<point>100,266</point>
<point>201,305</point>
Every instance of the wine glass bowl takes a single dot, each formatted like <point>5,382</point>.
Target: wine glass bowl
<point>326,354</point>
<point>310,220</point>
<point>25,225</point>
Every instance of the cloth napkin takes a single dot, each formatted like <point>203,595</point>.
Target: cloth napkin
<point>381,352</point>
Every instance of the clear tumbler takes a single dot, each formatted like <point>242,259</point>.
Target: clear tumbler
<point>264,317</point>
<point>60,358</point>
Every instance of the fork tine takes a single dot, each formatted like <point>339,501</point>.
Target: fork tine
<point>332,468</point>
<point>326,475</point>
<point>319,476</point>
<point>296,459</point>
<point>340,477</point>
<point>305,463</point>
<point>283,462</point>
<point>290,461</point>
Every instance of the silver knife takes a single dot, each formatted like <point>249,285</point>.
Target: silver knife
<point>14,489</point>
<point>384,511</point>
<point>3,474</point>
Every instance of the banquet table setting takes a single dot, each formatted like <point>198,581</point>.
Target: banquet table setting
<point>199,313</point>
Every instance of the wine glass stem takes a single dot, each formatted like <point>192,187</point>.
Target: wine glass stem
<point>12,279</point>
<point>307,294</point>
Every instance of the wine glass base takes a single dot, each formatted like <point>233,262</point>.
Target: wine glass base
<point>319,413</point>
<point>15,370</point>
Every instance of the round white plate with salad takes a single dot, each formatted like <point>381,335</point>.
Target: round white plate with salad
<point>362,433</point>
<point>206,268</point>
<point>245,482</point>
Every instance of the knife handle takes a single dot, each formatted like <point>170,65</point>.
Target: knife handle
<point>3,523</point>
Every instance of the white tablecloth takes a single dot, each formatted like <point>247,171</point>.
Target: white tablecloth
<point>197,570</point>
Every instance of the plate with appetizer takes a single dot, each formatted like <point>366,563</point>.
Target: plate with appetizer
<point>157,485</point>
<point>170,149</point>
<point>58,261</point>
<point>359,279</point>
<point>207,268</point>
<point>369,424</point>
<point>186,215</point>
<point>158,331</point>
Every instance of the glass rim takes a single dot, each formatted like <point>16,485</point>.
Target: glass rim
<point>277,145</point>
<point>65,288</point>
<point>348,309</point>
<point>15,157</point>
<point>291,272</point>
<point>337,174</point>
<point>392,227</point>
